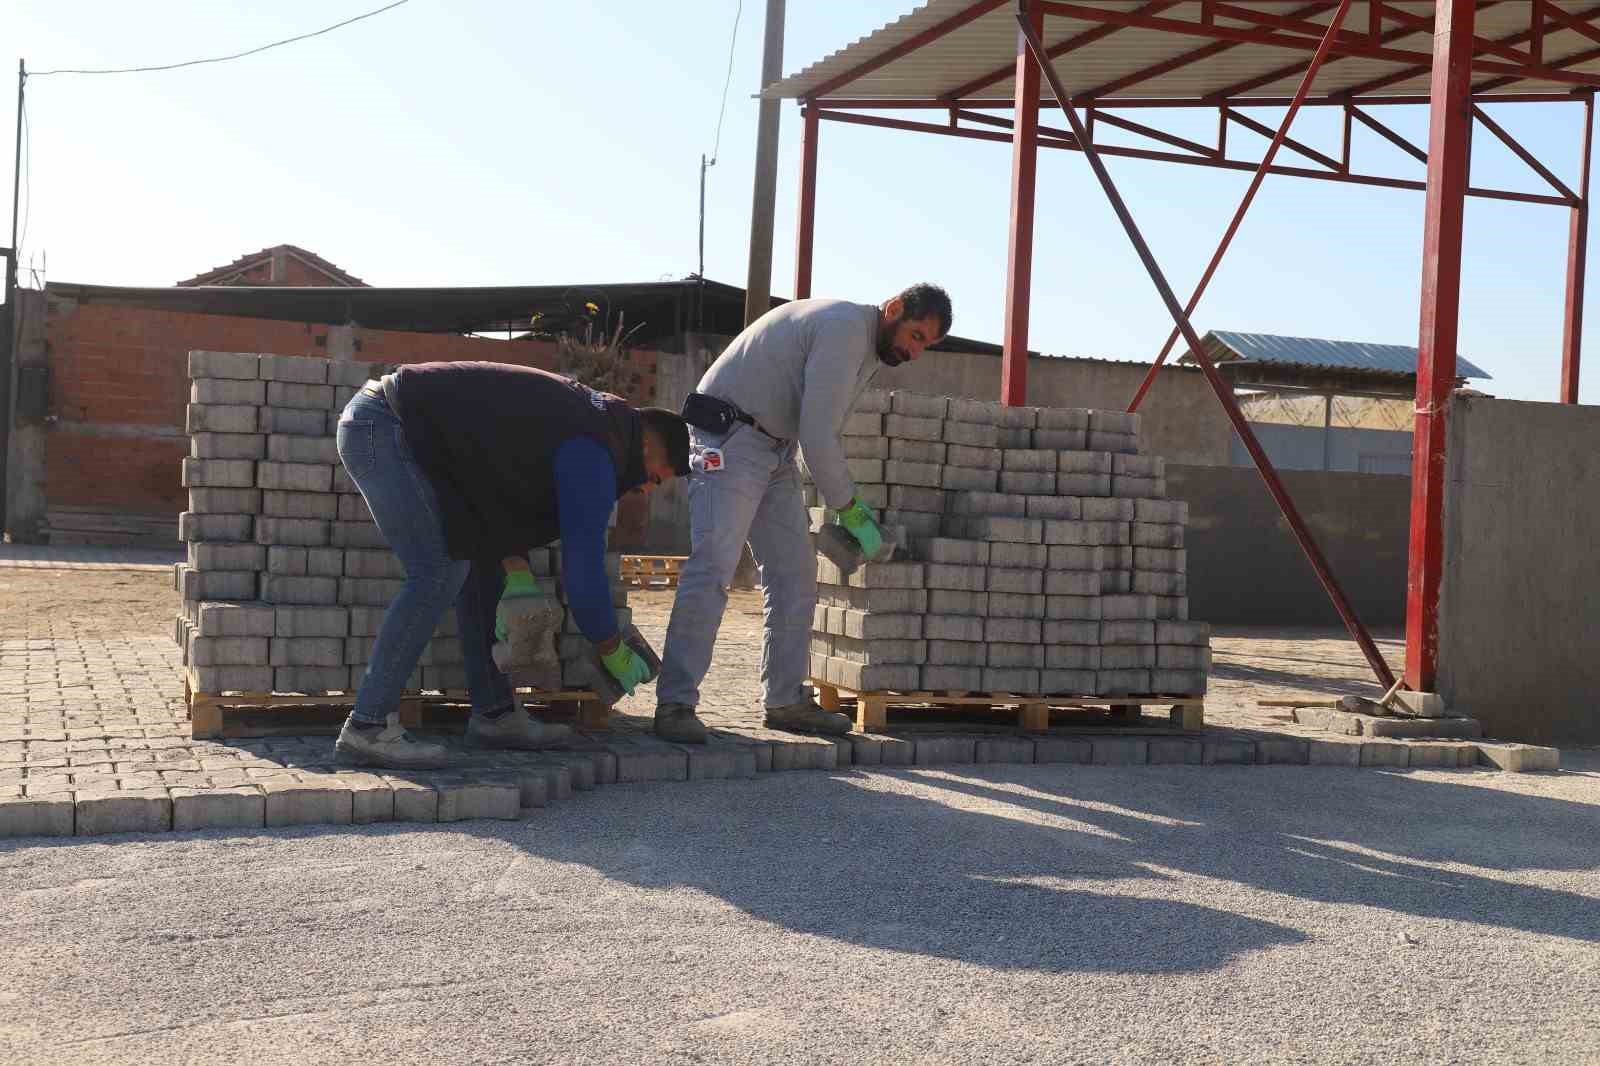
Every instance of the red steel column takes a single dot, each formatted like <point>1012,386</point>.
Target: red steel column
<point>806,223</point>
<point>1019,254</point>
<point>1577,256</point>
<point>1449,132</point>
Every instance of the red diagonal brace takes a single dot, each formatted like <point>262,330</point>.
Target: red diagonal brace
<point>1224,394</point>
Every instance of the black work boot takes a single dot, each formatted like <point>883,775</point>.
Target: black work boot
<point>676,722</point>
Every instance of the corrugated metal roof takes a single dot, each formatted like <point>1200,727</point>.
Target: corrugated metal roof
<point>1225,345</point>
<point>988,43</point>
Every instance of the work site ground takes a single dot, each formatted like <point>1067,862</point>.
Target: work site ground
<point>970,912</point>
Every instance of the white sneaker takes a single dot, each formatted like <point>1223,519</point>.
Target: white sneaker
<point>515,729</point>
<point>391,747</point>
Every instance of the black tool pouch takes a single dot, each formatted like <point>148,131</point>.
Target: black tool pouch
<point>711,414</point>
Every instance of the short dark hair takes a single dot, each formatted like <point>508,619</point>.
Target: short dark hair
<point>674,433</point>
<point>924,299</point>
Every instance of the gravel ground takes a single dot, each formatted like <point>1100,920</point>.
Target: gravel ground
<point>1041,914</point>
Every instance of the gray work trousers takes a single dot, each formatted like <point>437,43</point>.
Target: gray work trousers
<point>755,497</point>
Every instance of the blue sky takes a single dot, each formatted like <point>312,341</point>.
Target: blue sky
<point>485,143</point>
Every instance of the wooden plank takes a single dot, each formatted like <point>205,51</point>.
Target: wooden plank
<point>1031,713</point>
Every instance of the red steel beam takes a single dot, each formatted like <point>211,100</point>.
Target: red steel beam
<point>906,47</point>
<point>1423,24</point>
<point>1577,256</point>
<point>1045,132</point>
<point>1156,135</point>
<point>1279,138</point>
<point>1218,385</point>
<point>1578,23</point>
<point>1523,154</point>
<point>1019,249</point>
<point>1191,160</point>
<point>1449,142</point>
<point>1267,131</point>
<point>806,219</point>
<point>1060,48</point>
<point>1339,99</point>
<point>1389,135</point>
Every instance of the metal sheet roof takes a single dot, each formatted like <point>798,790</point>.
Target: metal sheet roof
<point>988,42</point>
<point>1227,345</point>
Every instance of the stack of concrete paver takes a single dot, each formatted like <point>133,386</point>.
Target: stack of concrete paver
<point>1040,556</point>
<point>288,577</point>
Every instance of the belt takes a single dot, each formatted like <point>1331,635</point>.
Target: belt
<point>384,390</point>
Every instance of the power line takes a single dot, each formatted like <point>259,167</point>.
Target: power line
<point>236,55</point>
<point>717,145</point>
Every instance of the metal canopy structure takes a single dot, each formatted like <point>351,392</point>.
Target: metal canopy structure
<point>1093,62</point>
<point>1269,349</point>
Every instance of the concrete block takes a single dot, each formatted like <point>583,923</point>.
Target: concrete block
<point>1003,750</point>
<point>1182,750</point>
<point>1518,758</point>
<point>874,401</point>
<point>323,505</point>
<point>1178,682</point>
<point>868,470</point>
<point>1023,680</point>
<point>968,479</point>
<point>1120,682</point>
<point>372,563</point>
<point>1132,606</point>
<point>226,651</point>
<point>1058,608</point>
<point>218,473</point>
<point>1054,507</point>
<point>870,678</point>
<point>1083,485</point>
<point>1333,752</point>
<point>225,555</point>
<point>864,625</point>
<point>1133,487</point>
<point>1014,580</point>
<point>238,807</point>
<point>242,366</point>
<point>1070,631</point>
<point>234,620</point>
<point>1062,531</point>
<point>1084,657</point>
<point>1073,583</point>
<point>952,551</point>
<point>1443,755</point>
<point>1146,466</point>
<point>1062,750</point>
<point>288,448</point>
<point>911,428</point>
<point>980,412</point>
<point>944,751</point>
<point>225,501</point>
<point>1158,583</point>
<point>1060,439</point>
<point>1015,605</point>
<point>228,446</point>
<point>217,679</point>
<point>310,622</point>
<point>1106,421</point>
<point>294,394</point>
<point>916,498</point>
<point>1018,417</point>
<point>1174,560</point>
<point>889,601</point>
<point>1007,656</point>
<point>973,502</point>
<point>1115,581</point>
<point>296,420</point>
<point>306,651</point>
<point>928,475</point>
<point>350,373</point>
<point>939,678</point>
<point>972,458</point>
<point>865,447</point>
<point>220,418</point>
<point>1107,509</point>
<point>1028,460</point>
<point>971,435</point>
<point>1083,462</point>
<point>918,404</point>
<point>301,369</point>
<point>294,477</point>
<point>1082,557</point>
<point>879,651</point>
<point>1063,418</point>
<point>356,535</point>
<point>342,483</point>
<point>1228,751</point>
<point>353,509</point>
<point>722,760</point>
<point>1193,633</point>
<point>1173,608</point>
<point>957,653</point>
<point>995,528</point>
<point>312,679</point>
<point>130,811</point>
<point>459,802</point>
<point>300,532</point>
<point>916,451</point>
<point>217,584</point>
<point>1385,753</point>
<point>453,676</point>
<point>1120,751</point>
<point>1167,512</point>
<point>1127,657</point>
<point>1019,556</point>
<point>940,626</point>
<point>956,577</point>
<point>227,391</point>
<point>288,561</point>
<point>1028,483</point>
<point>1116,443</point>
<point>371,798</point>
<point>308,591</point>
<point>43,815</point>
<point>219,527</point>
<point>1127,631</point>
<point>414,800</point>
<point>1011,631</point>
<point>863,424</point>
<point>1422,704</point>
<point>1183,657</point>
<point>1156,535</point>
<point>1294,751</point>
<point>910,523</point>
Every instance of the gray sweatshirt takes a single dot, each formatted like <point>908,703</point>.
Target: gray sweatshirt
<point>798,370</point>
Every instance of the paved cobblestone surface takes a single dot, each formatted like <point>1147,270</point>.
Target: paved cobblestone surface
<point>92,714</point>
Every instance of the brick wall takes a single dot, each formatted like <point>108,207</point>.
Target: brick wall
<point>119,385</point>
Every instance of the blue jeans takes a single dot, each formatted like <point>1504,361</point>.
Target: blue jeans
<point>374,451</point>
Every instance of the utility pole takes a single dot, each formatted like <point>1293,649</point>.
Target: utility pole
<point>9,324</point>
<point>758,284</point>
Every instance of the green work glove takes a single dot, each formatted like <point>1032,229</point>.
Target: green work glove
<point>860,524</point>
<point>625,665</point>
<point>519,589</point>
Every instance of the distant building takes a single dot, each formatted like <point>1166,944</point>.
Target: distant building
<point>283,264</point>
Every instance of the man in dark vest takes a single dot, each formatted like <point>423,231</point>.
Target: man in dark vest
<point>465,467</point>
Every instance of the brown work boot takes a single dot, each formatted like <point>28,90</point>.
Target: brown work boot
<point>807,717</point>
<point>677,722</point>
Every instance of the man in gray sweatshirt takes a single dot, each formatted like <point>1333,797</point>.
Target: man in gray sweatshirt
<point>786,383</point>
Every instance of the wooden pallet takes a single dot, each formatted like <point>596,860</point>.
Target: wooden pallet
<point>651,571</point>
<point>276,714</point>
<point>1032,713</point>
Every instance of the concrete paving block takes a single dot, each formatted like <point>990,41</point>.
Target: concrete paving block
<point>1228,751</point>
<point>864,424</point>
<point>865,447</point>
<point>228,446</point>
<point>298,421</point>
<point>1015,605</point>
<point>972,458</point>
<point>1062,750</point>
<point>1070,631</point>
<point>1083,557</point>
<point>298,532</point>
<point>1138,487</point>
<point>1518,758</point>
<point>367,591</point>
<point>1293,751</point>
<point>944,751</point>
<point>657,761</point>
<point>1442,755</point>
<point>718,761</point>
<point>277,504</point>
<point>1086,486</point>
<point>242,366</point>
<point>1385,753</point>
<point>971,435</point>
<point>1172,608</point>
<point>1003,750</point>
<point>217,584</point>
<point>918,404</point>
<point>1056,507</point>
<point>313,679</point>
<point>1131,607</point>
<point>1028,483</point>
<point>1144,466</point>
<point>1183,657</point>
<point>302,369</point>
<point>224,501</point>
<point>225,651</point>
<point>1012,631</point>
<point>1333,752</point>
<point>216,527</point>
<point>927,475</point>
<point>956,653</point>
<point>236,807</point>
<point>1059,608</point>
<point>310,622</point>
<point>1003,655</point>
<point>952,551</point>
<point>946,678</point>
<point>889,601</point>
<point>1167,512</point>
<point>997,528</point>
<point>304,591</point>
<point>893,575</point>
<point>131,811</point>
<point>1107,509</point>
<point>1028,460</point>
<point>1084,657</point>
<point>51,815</point>
<point>1067,682</point>
<point>912,428</point>
<point>415,800</point>
<point>226,555</point>
<point>1185,750</point>
<point>461,801</point>
<point>1121,751</point>
<point>916,498</point>
<point>297,395</point>
<point>874,401</point>
<point>350,373</point>
<point>865,625</point>
<point>227,391</point>
<point>216,679</point>
<point>1114,582</point>
<point>1084,462</point>
<point>532,784</point>
<point>1173,560</point>
<point>219,473</point>
<point>1073,582</point>
<point>345,534</point>
<point>1178,682</point>
<point>1121,682</point>
<point>1019,556</point>
<point>306,651</point>
<point>910,523</point>
<point>916,451</point>
<point>1191,633</point>
<point>969,479</point>
<point>1127,656</point>
<point>955,577</point>
<point>220,418</point>
<point>793,752</point>
<point>879,650</point>
<point>1060,440</point>
<point>1063,418</point>
<point>222,619</point>
<point>1115,443</point>
<point>997,504</point>
<point>865,749</point>
<point>1019,417</point>
<point>980,412</point>
<point>1422,704</point>
<point>1114,421</point>
<point>342,483</point>
<point>948,627</point>
<point>295,477</point>
<point>1021,680</point>
<point>1156,535</point>
<point>1330,719</point>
